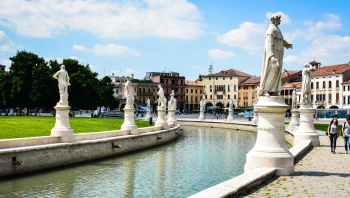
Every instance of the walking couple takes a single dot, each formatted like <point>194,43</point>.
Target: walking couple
<point>332,132</point>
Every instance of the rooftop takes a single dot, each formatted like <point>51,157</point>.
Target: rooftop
<point>329,70</point>
<point>229,73</point>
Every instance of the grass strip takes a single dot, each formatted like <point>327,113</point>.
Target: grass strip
<point>34,126</point>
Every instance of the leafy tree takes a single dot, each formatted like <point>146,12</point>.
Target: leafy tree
<point>106,93</point>
<point>42,93</point>
<point>5,90</point>
<point>21,72</point>
<point>200,77</point>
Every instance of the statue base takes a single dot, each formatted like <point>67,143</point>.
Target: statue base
<point>201,115</point>
<point>148,114</point>
<point>270,149</point>
<point>294,122</point>
<point>161,119</point>
<point>62,127</point>
<point>230,116</point>
<point>171,117</point>
<point>306,130</point>
<point>129,122</point>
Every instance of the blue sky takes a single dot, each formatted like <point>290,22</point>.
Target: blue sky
<point>134,37</point>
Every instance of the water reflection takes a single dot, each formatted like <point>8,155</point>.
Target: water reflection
<point>203,158</point>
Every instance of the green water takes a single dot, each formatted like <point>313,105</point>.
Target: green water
<point>203,158</point>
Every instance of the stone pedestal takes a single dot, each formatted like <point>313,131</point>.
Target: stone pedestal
<point>230,116</point>
<point>306,130</point>
<point>148,114</point>
<point>171,117</point>
<point>255,118</point>
<point>62,127</point>
<point>161,121</point>
<point>129,121</point>
<point>270,149</point>
<point>201,115</point>
<point>294,122</point>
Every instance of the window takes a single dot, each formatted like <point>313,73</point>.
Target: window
<point>223,78</point>
<point>216,78</point>
<point>191,90</point>
<point>317,87</point>
<point>337,84</point>
<point>186,90</point>
<point>234,96</point>
<point>343,88</point>
<point>230,78</point>
<point>211,88</point>
<point>211,97</point>
<point>139,90</point>
<point>234,88</point>
<point>312,85</point>
<point>209,78</point>
<point>348,88</point>
<point>228,96</point>
<point>323,84</point>
<point>348,100</point>
<point>228,87</point>
<point>196,90</point>
<point>329,84</point>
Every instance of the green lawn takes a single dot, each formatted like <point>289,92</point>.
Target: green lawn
<point>33,126</point>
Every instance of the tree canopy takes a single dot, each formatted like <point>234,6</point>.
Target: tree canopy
<point>29,84</point>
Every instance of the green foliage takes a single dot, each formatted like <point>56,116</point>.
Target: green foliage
<point>34,126</point>
<point>30,84</point>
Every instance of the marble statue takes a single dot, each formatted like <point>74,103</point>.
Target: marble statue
<point>172,101</point>
<point>63,83</point>
<point>294,99</point>
<point>270,83</point>
<point>128,94</point>
<point>306,85</point>
<point>161,96</point>
<point>230,105</point>
<point>201,105</point>
<point>148,102</point>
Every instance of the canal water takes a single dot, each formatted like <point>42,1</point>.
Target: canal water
<point>202,158</point>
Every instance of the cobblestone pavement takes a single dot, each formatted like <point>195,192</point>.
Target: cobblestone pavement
<point>319,173</point>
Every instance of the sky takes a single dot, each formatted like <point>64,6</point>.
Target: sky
<point>127,37</point>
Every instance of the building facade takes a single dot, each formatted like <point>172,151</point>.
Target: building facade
<point>326,86</point>
<point>193,95</point>
<point>170,81</point>
<point>247,92</point>
<point>221,87</point>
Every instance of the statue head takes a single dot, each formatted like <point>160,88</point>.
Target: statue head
<point>276,19</point>
<point>63,67</point>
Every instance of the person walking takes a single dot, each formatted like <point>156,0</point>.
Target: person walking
<point>346,134</point>
<point>333,133</point>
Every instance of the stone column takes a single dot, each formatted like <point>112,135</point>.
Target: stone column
<point>62,127</point>
<point>129,121</point>
<point>201,114</point>
<point>161,119</point>
<point>148,114</point>
<point>171,117</point>
<point>270,149</point>
<point>294,122</point>
<point>255,118</point>
<point>230,115</point>
<point>306,130</point>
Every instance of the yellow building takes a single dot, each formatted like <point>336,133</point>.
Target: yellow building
<point>221,87</point>
<point>193,95</point>
<point>247,93</point>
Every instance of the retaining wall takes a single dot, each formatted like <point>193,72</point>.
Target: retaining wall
<point>33,154</point>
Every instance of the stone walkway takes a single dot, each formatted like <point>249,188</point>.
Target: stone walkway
<point>319,173</point>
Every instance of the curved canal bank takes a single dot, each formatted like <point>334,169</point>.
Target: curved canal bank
<point>203,157</point>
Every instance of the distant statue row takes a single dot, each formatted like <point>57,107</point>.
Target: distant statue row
<point>305,100</point>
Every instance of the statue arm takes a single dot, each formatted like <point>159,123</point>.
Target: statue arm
<point>287,45</point>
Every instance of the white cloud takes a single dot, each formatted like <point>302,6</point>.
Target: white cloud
<point>109,50</point>
<point>249,36</point>
<point>6,44</point>
<point>316,29</point>
<point>109,19</point>
<point>130,71</point>
<point>325,49</point>
<point>218,53</point>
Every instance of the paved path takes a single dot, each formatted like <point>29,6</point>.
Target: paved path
<point>319,173</point>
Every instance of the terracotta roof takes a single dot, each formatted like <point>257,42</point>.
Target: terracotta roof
<point>229,73</point>
<point>329,70</point>
<point>293,84</point>
<point>251,81</point>
<point>193,83</point>
<point>289,73</point>
<point>346,82</point>
<point>314,62</point>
